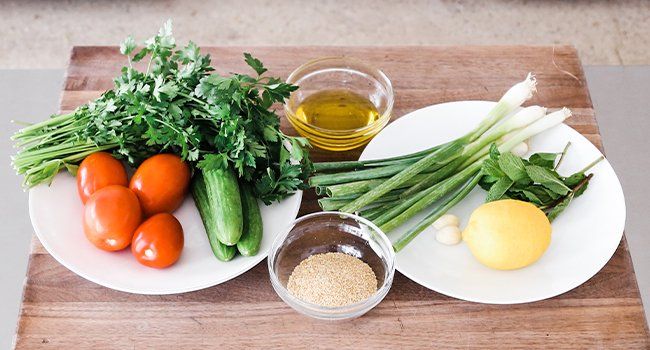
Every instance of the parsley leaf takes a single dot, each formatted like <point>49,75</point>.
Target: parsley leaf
<point>254,63</point>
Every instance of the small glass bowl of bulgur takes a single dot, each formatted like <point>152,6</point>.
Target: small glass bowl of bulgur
<point>332,265</point>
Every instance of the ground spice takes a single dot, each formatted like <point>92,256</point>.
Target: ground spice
<point>332,279</point>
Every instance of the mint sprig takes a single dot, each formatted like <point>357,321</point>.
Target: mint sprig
<point>533,180</point>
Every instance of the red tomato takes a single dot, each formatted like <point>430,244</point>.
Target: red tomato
<point>111,216</point>
<point>161,183</point>
<point>158,241</point>
<point>97,171</point>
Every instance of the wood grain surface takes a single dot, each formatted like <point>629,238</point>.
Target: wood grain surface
<point>63,311</point>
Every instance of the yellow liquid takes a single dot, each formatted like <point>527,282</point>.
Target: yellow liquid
<point>337,110</point>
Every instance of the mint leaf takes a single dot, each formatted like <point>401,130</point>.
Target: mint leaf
<point>513,166</point>
<point>574,179</point>
<point>545,160</point>
<point>499,188</point>
<point>487,181</point>
<point>538,194</point>
<point>547,178</point>
<point>581,190</point>
<point>494,152</point>
<point>491,168</point>
<point>532,197</point>
<point>559,208</point>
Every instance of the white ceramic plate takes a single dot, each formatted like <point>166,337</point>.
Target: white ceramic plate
<point>585,236</point>
<point>56,213</point>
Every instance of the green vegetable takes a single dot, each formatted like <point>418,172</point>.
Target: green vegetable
<point>336,203</point>
<point>178,105</point>
<point>513,167</point>
<point>367,174</point>
<point>433,178</point>
<point>547,178</point>
<point>544,160</point>
<point>499,189</point>
<point>251,238</point>
<point>559,206</point>
<point>541,185</point>
<point>491,167</point>
<point>437,212</point>
<point>224,202</point>
<point>360,187</point>
<point>441,156</point>
<point>200,194</point>
<point>426,198</point>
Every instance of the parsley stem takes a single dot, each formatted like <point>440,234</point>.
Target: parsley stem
<point>43,124</point>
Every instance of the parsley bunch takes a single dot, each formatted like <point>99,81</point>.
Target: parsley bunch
<point>176,105</point>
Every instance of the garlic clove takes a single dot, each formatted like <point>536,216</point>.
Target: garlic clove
<point>446,220</point>
<point>449,235</point>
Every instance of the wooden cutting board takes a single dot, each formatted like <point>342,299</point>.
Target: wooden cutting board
<point>61,310</point>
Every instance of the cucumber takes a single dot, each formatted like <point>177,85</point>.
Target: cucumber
<point>251,239</point>
<point>200,194</point>
<point>225,204</point>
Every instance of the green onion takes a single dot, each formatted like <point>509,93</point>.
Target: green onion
<point>430,196</point>
<point>335,203</point>
<point>436,213</point>
<point>362,186</point>
<point>441,156</point>
<point>368,174</point>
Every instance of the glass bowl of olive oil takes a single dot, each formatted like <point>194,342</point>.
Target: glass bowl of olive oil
<point>341,103</point>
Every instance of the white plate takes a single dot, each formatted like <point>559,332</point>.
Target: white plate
<point>56,213</point>
<point>585,236</point>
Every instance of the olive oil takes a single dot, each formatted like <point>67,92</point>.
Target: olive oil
<point>337,110</point>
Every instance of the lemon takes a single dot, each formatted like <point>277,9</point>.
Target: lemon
<point>507,234</point>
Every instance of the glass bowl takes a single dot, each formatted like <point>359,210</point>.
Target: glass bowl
<point>335,73</point>
<point>326,232</point>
